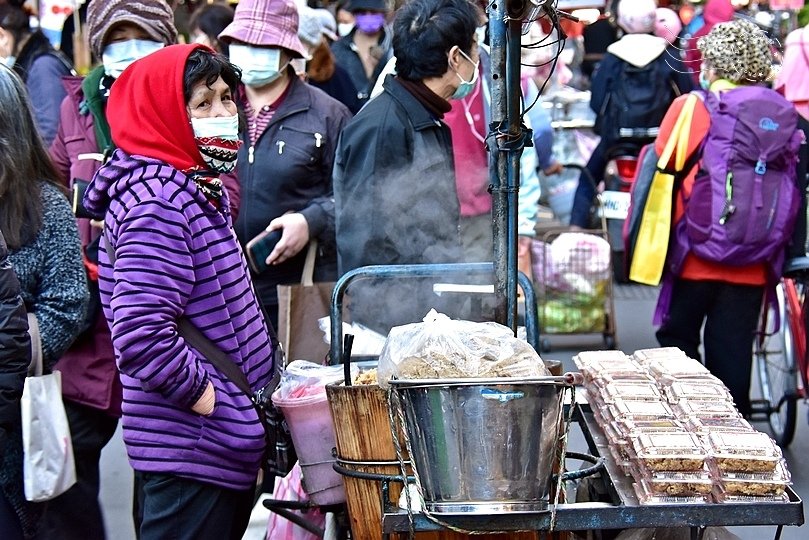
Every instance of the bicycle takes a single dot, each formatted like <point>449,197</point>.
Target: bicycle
<point>780,356</point>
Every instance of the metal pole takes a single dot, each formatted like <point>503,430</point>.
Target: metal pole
<point>498,165</point>
<point>505,149</point>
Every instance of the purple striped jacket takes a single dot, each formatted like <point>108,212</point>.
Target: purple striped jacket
<point>176,254</point>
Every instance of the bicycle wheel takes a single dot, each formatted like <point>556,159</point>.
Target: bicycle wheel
<point>774,357</point>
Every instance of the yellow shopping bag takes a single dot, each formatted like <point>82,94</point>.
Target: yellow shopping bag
<point>655,226</point>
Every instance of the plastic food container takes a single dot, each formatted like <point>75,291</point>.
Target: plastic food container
<point>604,379</point>
<point>696,389</point>
<point>312,431</point>
<point>744,452</point>
<point>624,456</point>
<point>631,391</point>
<point>622,369</point>
<point>721,496</point>
<point>646,356</point>
<point>674,483</point>
<point>669,451</point>
<point>628,427</point>
<point>706,425</point>
<point>640,410</point>
<point>755,484</point>
<point>706,409</point>
<point>678,368</point>
<point>646,495</point>
<point>585,358</point>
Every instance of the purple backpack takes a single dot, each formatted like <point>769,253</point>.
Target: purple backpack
<point>745,198</point>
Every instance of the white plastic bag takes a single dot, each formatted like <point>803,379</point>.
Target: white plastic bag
<point>302,378</point>
<point>48,466</point>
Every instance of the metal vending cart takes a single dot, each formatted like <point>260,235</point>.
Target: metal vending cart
<point>617,507</point>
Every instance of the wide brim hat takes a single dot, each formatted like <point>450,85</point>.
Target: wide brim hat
<point>268,23</point>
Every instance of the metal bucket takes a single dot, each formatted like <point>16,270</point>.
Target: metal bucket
<point>483,445</point>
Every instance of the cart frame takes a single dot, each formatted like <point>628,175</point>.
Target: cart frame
<point>622,511</point>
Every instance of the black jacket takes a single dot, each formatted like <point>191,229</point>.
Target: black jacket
<point>396,203</point>
<point>15,346</point>
<point>346,56</point>
<point>290,171</point>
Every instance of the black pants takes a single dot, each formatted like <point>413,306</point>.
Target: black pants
<point>76,514</point>
<point>730,313</point>
<point>10,528</point>
<point>176,508</point>
<point>580,214</point>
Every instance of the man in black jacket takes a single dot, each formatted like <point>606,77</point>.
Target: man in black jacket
<point>394,179</point>
<point>15,355</point>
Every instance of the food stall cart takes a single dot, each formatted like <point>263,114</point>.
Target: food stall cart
<point>620,510</point>
<point>619,507</point>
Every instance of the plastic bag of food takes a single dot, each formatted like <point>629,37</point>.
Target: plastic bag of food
<point>303,378</point>
<point>444,348</point>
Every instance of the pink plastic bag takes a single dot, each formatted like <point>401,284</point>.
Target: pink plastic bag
<point>289,489</point>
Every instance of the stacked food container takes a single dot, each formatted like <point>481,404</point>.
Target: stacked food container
<point>673,427</point>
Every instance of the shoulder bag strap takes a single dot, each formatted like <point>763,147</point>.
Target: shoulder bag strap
<point>201,343</point>
<point>307,276</point>
<point>35,368</point>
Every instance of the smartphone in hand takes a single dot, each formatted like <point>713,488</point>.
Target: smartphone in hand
<point>77,196</point>
<point>260,247</point>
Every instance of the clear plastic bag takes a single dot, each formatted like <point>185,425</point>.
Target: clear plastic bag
<point>444,348</point>
<point>302,378</point>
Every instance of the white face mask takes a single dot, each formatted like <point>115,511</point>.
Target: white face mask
<point>218,141</point>
<point>343,29</point>
<point>119,56</point>
<point>8,61</point>
<point>224,127</point>
<point>260,66</point>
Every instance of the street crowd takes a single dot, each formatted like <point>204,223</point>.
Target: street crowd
<point>186,175</point>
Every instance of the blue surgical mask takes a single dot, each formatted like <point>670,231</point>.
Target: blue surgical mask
<point>8,61</point>
<point>260,66</point>
<point>116,57</point>
<point>704,83</point>
<point>466,87</point>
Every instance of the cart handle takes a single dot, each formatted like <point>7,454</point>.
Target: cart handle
<point>422,270</point>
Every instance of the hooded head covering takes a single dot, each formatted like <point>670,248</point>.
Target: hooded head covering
<point>738,51</point>
<point>792,79</point>
<point>637,16</point>
<point>153,16</point>
<point>667,24</point>
<point>147,110</point>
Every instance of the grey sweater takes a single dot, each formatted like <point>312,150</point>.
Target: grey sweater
<point>52,276</point>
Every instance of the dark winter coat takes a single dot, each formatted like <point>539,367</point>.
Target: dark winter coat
<point>396,202</point>
<point>346,56</point>
<point>42,68</point>
<point>289,170</point>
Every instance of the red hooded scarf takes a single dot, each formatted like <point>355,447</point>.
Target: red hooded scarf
<point>147,111</point>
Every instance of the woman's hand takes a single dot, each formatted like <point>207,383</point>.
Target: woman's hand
<point>295,237</point>
<point>204,405</point>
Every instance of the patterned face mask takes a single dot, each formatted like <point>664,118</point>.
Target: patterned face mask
<point>218,141</point>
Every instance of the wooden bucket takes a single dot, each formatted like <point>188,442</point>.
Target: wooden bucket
<point>362,433</point>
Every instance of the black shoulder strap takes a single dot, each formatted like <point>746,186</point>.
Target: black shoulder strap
<point>205,346</point>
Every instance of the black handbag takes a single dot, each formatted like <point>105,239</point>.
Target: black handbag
<point>280,456</point>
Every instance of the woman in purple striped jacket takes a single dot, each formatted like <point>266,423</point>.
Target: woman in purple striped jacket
<point>193,438</point>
